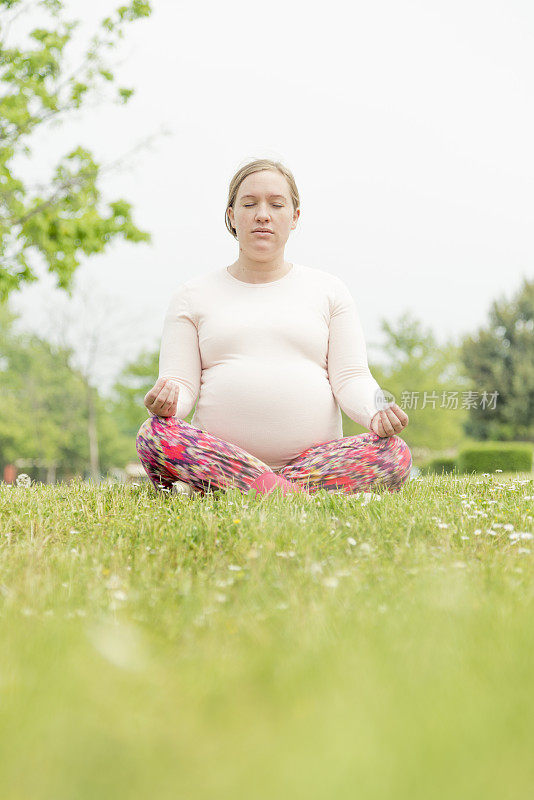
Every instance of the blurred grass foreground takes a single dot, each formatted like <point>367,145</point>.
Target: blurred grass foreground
<point>369,646</point>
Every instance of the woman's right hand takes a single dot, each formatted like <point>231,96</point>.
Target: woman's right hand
<point>162,399</point>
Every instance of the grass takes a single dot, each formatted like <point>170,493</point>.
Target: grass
<point>159,646</point>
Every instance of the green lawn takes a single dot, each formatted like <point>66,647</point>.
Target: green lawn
<point>156,646</point>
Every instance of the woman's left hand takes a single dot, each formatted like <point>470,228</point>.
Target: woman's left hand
<point>389,421</point>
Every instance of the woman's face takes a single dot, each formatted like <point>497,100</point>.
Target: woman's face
<point>263,201</point>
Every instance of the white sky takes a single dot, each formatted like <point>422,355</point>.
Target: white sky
<point>408,127</point>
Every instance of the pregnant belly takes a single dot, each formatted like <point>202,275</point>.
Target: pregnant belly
<point>271,412</point>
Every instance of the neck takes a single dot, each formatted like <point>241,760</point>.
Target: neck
<point>252,271</point>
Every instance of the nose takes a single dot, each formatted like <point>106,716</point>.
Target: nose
<point>262,213</point>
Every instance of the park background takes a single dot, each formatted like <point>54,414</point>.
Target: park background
<point>410,141</point>
<point>327,645</point>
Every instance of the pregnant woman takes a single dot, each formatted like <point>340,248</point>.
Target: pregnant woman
<point>272,350</point>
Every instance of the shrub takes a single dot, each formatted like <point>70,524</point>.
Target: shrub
<point>491,456</point>
<point>438,466</point>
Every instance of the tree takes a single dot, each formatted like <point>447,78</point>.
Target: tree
<point>44,407</point>
<point>94,330</point>
<point>500,358</point>
<point>426,380</point>
<point>128,393</point>
<point>64,220</point>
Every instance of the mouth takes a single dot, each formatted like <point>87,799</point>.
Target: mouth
<point>270,232</point>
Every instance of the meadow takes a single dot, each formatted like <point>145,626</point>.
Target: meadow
<point>226,646</point>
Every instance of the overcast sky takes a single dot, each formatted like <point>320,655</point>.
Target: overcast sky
<point>408,127</point>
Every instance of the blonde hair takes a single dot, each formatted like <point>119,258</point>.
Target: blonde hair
<point>256,166</point>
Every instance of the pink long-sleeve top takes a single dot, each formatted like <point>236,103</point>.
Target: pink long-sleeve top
<point>270,363</point>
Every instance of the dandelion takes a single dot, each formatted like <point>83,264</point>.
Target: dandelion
<point>221,598</point>
<point>498,470</point>
<point>315,568</point>
<point>508,526</point>
<point>443,525</point>
<point>120,595</point>
<point>365,547</point>
<point>23,480</point>
<point>477,532</point>
<point>351,541</point>
<point>234,567</point>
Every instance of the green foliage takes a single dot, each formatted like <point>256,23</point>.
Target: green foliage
<point>128,393</point>
<point>491,457</point>
<point>127,403</point>
<point>44,410</point>
<point>437,466</point>
<point>421,374</point>
<point>500,358</point>
<point>67,220</point>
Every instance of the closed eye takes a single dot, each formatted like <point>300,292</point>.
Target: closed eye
<point>276,205</point>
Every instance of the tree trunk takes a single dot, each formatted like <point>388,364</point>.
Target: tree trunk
<point>93,435</point>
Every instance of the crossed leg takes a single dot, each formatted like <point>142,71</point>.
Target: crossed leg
<point>352,464</point>
<point>172,450</point>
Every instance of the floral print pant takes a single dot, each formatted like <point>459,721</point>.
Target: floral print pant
<point>172,450</point>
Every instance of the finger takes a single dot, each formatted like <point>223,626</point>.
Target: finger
<point>153,393</point>
<point>393,417</point>
<point>401,414</point>
<point>393,420</point>
<point>388,430</point>
<point>170,404</point>
<point>165,393</point>
<point>381,432</point>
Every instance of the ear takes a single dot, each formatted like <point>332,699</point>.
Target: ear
<point>296,215</point>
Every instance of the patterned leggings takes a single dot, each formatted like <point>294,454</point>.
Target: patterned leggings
<point>171,450</point>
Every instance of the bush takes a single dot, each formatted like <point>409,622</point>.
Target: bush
<point>438,466</point>
<point>491,456</point>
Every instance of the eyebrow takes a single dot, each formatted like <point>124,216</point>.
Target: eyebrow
<point>270,195</point>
